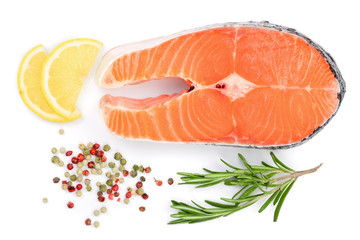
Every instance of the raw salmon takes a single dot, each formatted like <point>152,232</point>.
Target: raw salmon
<point>250,84</point>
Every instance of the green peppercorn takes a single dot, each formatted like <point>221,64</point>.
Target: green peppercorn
<point>112,178</point>
<point>61,164</point>
<point>114,170</point>
<point>73,177</point>
<point>53,150</point>
<point>81,146</point>
<point>106,148</point>
<point>55,159</point>
<point>121,180</point>
<point>79,178</point>
<point>111,165</point>
<point>117,156</point>
<point>133,173</point>
<point>102,188</point>
<point>86,151</point>
<point>79,193</point>
<point>103,210</point>
<point>96,213</point>
<point>96,224</point>
<point>99,172</point>
<point>93,171</point>
<point>88,157</point>
<point>141,168</point>
<point>67,174</point>
<point>85,162</point>
<point>142,178</point>
<point>61,131</point>
<point>62,150</point>
<point>135,167</point>
<point>45,200</point>
<point>117,174</point>
<point>103,164</point>
<point>98,159</point>
<point>69,183</point>
<point>108,174</point>
<point>109,182</point>
<point>97,166</point>
<point>79,172</point>
<point>121,168</point>
<point>88,188</point>
<point>64,186</point>
<point>126,201</point>
<point>90,145</point>
<point>79,165</point>
<point>140,191</point>
<point>123,161</point>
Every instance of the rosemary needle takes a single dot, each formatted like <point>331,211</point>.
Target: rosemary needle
<point>261,178</point>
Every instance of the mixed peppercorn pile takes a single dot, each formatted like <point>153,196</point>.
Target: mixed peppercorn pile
<point>92,161</point>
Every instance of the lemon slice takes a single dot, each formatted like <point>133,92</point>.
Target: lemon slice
<point>64,71</point>
<point>29,77</point>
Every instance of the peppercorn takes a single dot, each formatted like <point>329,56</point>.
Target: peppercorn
<point>117,174</point>
<point>97,166</point>
<point>71,189</point>
<point>106,148</point>
<point>70,205</point>
<point>98,184</point>
<point>88,188</point>
<point>53,150</point>
<point>96,146</point>
<point>55,159</point>
<point>140,191</point>
<point>81,157</point>
<point>79,186</point>
<point>102,188</point>
<point>62,150</point>
<point>93,171</point>
<point>112,177</point>
<point>145,196</point>
<point>86,151</point>
<point>68,153</point>
<point>74,160</point>
<point>69,183</point>
<point>121,168</point>
<point>133,173</point>
<point>96,213</point>
<point>64,186</point>
<point>148,169</point>
<point>133,192</point>
<point>158,182</point>
<point>103,159</point>
<point>129,189</point>
<point>123,161</point>
<point>116,194</point>
<point>56,179</point>
<point>70,166</point>
<point>81,146</point>
<point>114,170</point>
<point>99,154</point>
<point>73,177</point>
<point>79,171</point>
<point>135,167</point>
<point>93,151</point>
<point>79,178</point>
<point>91,164</point>
<point>117,156</point>
<point>128,195</point>
<point>79,165</point>
<point>61,131</point>
<point>88,157</point>
<point>103,210</point>
<point>45,200</point>
<point>97,159</point>
<point>89,145</point>
<point>126,201</point>
<point>101,199</point>
<point>109,183</point>
<point>88,222</point>
<point>85,162</point>
<point>142,209</point>
<point>121,180</point>
<point>111,164</point>
<point>141,168</point>
<point>142,178</point>
<point>85,172</point>
<point>61,163</point>
<point>79,193</point>
<point>125,173</point>
<point>99,172</point>
<point>103,165</point>
<point>170,181</point>
<point>115,188</point>
<point>87,182</point>
<point>139,184</point>
<point>96,224</point>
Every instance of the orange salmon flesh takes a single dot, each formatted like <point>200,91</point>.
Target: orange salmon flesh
<point>253,84</point>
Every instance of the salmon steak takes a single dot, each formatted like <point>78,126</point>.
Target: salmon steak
<point>253,84</point>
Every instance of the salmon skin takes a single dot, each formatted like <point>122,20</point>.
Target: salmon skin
<point>253,84</point>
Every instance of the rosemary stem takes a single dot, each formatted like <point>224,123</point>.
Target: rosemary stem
<point>297,174</point>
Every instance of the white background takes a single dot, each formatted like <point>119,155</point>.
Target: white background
<point>321,205</point>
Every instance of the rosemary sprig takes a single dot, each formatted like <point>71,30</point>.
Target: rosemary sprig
<point>263,179</point>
